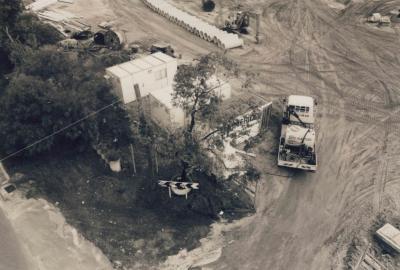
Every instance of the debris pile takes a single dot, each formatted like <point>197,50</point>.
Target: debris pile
<point>379,19</point>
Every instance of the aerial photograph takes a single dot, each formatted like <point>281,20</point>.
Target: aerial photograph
<point>199,134</point>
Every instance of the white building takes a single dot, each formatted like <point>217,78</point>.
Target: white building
<point>163,112</point>
<point>168,116</point>
<point>152,76</point>
<point>139,77</point>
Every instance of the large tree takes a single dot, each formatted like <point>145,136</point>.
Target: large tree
<point>9,12</point>
<point>53,90</point>
<point>20,32</point>
<point>192,91</point>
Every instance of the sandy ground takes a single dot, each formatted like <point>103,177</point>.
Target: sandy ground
<point>312,47</point>
<point>12,254</point>
<point>43,240</point>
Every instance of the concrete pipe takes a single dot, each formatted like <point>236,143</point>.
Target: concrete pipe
<point>195,25</point>
<point>219,44</point>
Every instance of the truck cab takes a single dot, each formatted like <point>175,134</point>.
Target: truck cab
<point>303,106</point>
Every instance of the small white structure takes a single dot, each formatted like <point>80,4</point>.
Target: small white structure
<point>390,235</point>
<point>40,4</point>
<point>166,115</point>
<point>139,77</point>
<point>152,77</point>
<point>163,112</point>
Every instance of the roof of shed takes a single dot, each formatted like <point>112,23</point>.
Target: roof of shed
<point>140,64</point>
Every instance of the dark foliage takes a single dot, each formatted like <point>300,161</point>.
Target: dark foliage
<point>52,90</point>
<point>208,5</point>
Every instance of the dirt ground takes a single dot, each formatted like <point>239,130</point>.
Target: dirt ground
<point>47,241</point>
<point>321,48</point>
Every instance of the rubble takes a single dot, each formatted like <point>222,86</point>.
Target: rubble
<point>378,18</point>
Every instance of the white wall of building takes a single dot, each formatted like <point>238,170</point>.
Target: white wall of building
<point>154,74</point>
<point>150,73</point>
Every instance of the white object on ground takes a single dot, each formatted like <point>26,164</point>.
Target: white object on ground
<point>115,166</point>
<point>4,177</point>
<point>390,235</point>
<point>195,25</point>
<point>40,4</point>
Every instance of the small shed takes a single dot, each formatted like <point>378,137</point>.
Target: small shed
<point>163,112</point>
<point>139,77</point>
<point>166,115</point>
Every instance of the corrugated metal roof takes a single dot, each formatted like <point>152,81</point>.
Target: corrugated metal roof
<point>129,67</point>
<point>163,57</point>
<point>164,96</point>
<point>140,64</point>
<point>154,61</point>
<point>117,71</point>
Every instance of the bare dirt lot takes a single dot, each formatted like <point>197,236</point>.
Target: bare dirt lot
<point>324,49</point>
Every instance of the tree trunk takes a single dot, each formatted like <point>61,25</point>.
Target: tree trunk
<point>192,121</point>
<point>209,134</point>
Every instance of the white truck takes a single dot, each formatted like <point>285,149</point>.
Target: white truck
<point>297,141</point>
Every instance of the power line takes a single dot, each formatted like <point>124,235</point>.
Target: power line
<point>59,131</point>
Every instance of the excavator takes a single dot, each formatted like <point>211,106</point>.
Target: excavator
<point>239,23</point>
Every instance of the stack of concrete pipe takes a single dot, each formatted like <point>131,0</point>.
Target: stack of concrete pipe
<point>195,25</point>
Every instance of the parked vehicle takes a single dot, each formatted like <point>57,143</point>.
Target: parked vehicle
<point>297,140</point>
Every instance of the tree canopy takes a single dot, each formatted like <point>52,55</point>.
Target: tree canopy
<point>20,32</point>
<point>52,90</point>
<point>192,91</point>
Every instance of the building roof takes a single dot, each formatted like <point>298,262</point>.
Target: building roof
<point>163,57</point>
<point>140,64</point>
<point>118,71</point>
<point>164,96</point>
<point>129,67</point>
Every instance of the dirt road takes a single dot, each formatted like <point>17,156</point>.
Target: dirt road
<point>353,71</point>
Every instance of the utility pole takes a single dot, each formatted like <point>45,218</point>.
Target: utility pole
<point>133,158</point>
<point>155,157</point>
<point>258,15</point>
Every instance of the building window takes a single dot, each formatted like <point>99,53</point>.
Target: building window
<point>160,74</point>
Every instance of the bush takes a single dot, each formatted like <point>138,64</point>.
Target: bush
<point>208,5</point>
<point>52,91</point>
